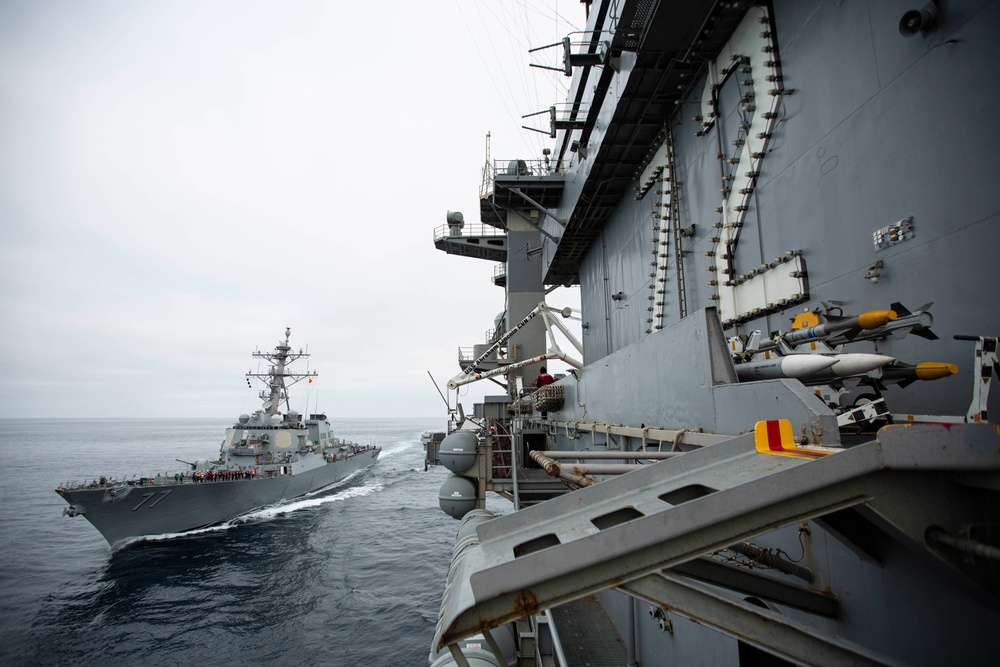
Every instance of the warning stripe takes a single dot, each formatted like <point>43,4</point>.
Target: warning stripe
<point>775,436</point>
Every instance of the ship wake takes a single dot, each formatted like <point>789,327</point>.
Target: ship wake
<point>270,512</point>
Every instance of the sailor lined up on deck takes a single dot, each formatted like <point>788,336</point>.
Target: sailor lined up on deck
<point>224,475</point>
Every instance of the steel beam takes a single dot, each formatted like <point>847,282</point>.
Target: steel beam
<point>754,625</point>
<point>677,510</point>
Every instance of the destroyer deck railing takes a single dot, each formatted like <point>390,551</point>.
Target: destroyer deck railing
<point>257,471</point>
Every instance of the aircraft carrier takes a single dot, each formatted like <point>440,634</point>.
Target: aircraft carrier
<point>769,439</point>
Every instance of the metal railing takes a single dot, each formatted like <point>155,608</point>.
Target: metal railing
<point>446,231</point>
<point>517,168</point>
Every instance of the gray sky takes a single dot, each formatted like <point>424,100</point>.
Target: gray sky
<point>180,181</point>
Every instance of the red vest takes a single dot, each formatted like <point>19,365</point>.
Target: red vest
<point>543,380</point>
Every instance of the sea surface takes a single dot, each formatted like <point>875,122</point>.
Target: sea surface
<point>352,575</point>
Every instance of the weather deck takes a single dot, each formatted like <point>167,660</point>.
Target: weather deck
<point>583,629</point>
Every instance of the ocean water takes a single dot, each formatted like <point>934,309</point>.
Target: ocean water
<point>349,576</point>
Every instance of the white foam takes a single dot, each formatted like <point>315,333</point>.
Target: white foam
<point>307,502</point>
<point>163,537</point>
<point>269,512</point>
<point>397,449</point>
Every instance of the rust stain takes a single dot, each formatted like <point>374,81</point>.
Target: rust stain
<point>526,603</point>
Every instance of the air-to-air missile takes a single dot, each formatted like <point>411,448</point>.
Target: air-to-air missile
<point>849,327</point>
<point>844,329</point>
<point>812,368</point>
<point>903,374</point>
<point>791,366</point>
<point>847,365</point>
<point>918,323</point>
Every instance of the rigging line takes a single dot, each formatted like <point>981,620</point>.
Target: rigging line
<point>521,37</point>
<point>559,86</point>
<point>514,39</point>
<point>532,78</point>
<point>550,12</point>
<point>516,47</point>
<point>489,70</point>
<point>489,34</point>
<point>531,37</point>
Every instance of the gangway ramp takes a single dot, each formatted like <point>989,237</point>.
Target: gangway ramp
<point>635,526</point>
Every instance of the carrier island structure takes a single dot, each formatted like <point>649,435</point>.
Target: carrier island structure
<point>769,440</point>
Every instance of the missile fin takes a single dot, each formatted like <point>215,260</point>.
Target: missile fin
<point>925,333</point>
<point>900,309</point>
<point>874,383</point>
<point>851,333</point>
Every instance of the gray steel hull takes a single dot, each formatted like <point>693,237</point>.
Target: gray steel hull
<point>124,513</point>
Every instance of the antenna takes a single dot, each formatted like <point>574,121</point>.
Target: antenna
<point>446,403</point>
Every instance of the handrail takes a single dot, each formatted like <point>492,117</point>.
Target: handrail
<point>446,231</point>
<point>518,167</point>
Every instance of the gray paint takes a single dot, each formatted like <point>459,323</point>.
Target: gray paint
<point>877,127</point>
<point>862,143</point>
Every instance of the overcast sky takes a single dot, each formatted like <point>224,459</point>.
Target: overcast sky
<point>180,181</point>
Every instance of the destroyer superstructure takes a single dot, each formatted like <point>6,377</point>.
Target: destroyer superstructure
<point>266,457</point>
<point>775,451</point>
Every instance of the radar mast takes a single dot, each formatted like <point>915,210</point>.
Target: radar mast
<point>278,378</point>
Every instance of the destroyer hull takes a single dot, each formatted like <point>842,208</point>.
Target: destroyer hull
<point>125,513</point>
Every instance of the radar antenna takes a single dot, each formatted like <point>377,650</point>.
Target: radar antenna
<point>278,378</point>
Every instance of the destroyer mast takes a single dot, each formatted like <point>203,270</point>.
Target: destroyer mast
<point>280,359</point>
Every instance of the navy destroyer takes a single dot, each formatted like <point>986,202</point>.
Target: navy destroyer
<point>768,439</point>
<point>266,457</point>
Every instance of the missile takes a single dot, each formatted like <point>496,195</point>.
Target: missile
<point>850,327</point>
<point>856,363</point>
<point>791,366</point>
<point>836,331</point>
<point>904,374</point>
<point>847,365</point>
<point>918,323</point>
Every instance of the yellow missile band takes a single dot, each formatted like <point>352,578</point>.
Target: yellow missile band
<point>775,437</point>
<point>873,319</point>
<point>935,370</point>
